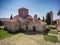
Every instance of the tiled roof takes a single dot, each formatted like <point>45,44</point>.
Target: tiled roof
<point>17,16</point>
<point>11,20</point>
<point>28,17</point>
<point>23,8</point>
<point>39,22</point>
<point>57,19</point>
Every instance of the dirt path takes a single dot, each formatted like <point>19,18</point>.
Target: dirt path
<point>59,37</point>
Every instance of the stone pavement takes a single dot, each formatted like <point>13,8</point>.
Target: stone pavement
<point>58,38</point>
<point>58,35</point>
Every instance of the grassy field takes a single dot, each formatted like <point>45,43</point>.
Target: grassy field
<point>28,39</point>
<point>52,29</point>
<point>24,39</point>
<point>51,38</point>
<point>4,34</point>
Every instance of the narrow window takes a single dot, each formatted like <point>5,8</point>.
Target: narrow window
<point>26,27</point>
<point>34,28</point>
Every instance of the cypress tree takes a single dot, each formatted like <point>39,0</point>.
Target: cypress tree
<point>43,18</point>
<point>11,16</point>
<point>48,18</point>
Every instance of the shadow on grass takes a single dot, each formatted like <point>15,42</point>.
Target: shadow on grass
<point>25,32</point>
<point>45,32</point>
<point>16,32</point>
<point>1,28</point>
<point>5,33</point>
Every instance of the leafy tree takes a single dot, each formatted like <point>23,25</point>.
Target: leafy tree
<point>35,16</point>
<point>54,22</point>
<point>58,13</point>
<point>39,18</point>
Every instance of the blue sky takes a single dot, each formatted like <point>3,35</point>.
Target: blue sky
<point>39,7</point>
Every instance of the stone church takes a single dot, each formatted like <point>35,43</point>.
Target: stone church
<point>25,22</point>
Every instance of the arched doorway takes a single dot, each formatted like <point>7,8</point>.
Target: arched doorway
<point>34,28</point>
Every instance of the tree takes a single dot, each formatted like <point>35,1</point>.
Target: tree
<point>48,18</point>
<point>54,22</point>
<point>35,16</point>
<point>43,18</point>
<point>58,13</point>
<point>1,23</point>
<point>51,15</point>
<point>11,16</point>
<point>39,18</point>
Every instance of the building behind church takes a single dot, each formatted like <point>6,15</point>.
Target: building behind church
<point>58,25</point>
<point>25,22</point>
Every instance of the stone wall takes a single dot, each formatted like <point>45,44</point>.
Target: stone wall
<point>38,27</point>
<point>58,25</point>
<point>11,26</point>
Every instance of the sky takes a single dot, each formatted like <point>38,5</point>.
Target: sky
<point>39,7</point>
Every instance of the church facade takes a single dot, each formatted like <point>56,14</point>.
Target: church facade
<point>25,22</point>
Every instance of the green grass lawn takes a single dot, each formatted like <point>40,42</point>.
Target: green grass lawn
<point>36,38</point>
<point>24,39</point>
<point>51,38</point>
<point>4,34</point>
<point>52,29</point>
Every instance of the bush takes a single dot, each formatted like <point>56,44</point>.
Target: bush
<point>1,23</point>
